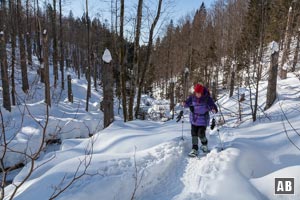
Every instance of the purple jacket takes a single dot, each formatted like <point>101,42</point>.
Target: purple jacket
<point>200,107</point>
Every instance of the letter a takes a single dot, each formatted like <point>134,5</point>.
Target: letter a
<point>280,186</point>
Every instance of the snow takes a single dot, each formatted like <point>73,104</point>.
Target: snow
<point>152,153</point>
<point>274,47</point>
<point>268,189</point>
<point>107,56</point>
<point>254,154</point>
<point>24,125</point>
<point>285,66</point>
<point>186,70</point>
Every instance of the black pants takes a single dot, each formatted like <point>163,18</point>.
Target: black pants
<point>198,132</point>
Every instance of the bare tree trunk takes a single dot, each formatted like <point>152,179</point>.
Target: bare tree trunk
<point>4,16</point>
<point>239,104</point>
<point>172,98</point>
<point>283,70</point>
<point>259,70</point>
<point>295,60</point>
<point>28,34</point>
<point>75,58</point>
<point>272,81</point>
<point>108,84</point>
<point>232,81</point>
<point>46,68</point>
<point>95,69</point>
<point>185,83</point>
<point>122,62</point>
<point>4,72</point>
<point>38,33</point>
<point>250,89</point>
<point>25,84</point>
<point>88,73</point>
<point>135,73</point>
<point>13,49</point>
<point>62,57</point>
<point>70,93</point>
<point>148,56</point>
<point>55,67</point>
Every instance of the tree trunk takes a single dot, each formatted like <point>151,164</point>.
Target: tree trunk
<point>135,73</point>
<point>295,60</point>
<point>272,81</point>
<point>283,70</point>
<point>88,73</point>
<point>38,49</point>
<point>232,81</point>
<point>4,22</point>
<point>28,34</point>
<point>95,70</point>
<point>260,57</point>
<point>172,99</point>
<point>108,101</point>
<point>62,57</point>
<point>4,73</point>
<point>70,93</point>
<point>148,56</point>
<point>55,67</point>
<point>13,50</point>
<point>25,84</point>
<point>122,62</point>
<point>46,68</point>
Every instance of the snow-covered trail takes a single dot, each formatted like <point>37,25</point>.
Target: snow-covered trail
<point>192,178</point>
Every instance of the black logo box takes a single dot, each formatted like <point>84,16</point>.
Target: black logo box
<point>284,182</point>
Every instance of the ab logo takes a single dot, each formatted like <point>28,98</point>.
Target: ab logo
<point>284,186</point>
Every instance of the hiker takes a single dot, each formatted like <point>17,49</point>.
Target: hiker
<point>200,103</point>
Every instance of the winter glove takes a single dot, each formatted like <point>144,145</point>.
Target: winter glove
<point>213,124</point>
<point>179,116</point>
<point>192,109</point>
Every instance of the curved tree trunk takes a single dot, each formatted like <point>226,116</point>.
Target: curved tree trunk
<point>148,55</point>
<point>135,72</point>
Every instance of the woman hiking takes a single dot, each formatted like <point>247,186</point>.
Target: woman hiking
<point>200,103</point>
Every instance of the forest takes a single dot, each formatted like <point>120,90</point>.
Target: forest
<point>224,39</point>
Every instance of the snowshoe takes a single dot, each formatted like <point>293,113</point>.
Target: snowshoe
<point>204,148</point>
<point>193,153</point>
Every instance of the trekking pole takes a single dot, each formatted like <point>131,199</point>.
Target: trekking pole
<point>181,117</point>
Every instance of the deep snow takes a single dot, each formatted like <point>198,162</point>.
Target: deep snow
<point>254,154</point>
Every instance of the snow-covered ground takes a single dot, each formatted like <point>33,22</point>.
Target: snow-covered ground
<point>24,125</point>
<point>149,159</point>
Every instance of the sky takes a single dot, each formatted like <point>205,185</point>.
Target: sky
<point>101,8</point>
